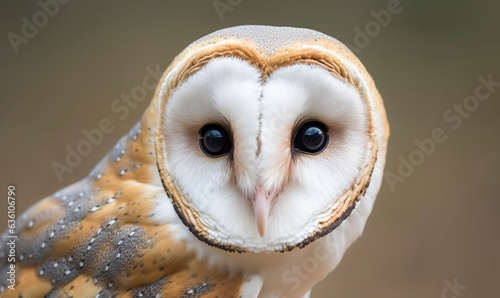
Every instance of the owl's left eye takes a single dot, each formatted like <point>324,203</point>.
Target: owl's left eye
<point>214,140</point>
<point>311,137</point>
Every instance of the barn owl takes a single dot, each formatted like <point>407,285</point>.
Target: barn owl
<point>251,172</point>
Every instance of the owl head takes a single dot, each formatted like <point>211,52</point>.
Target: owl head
<point>267,137</point>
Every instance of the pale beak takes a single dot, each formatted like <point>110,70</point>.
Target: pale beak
<point>261,203</point>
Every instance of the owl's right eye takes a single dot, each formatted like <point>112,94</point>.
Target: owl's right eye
<point>311,138</point>
<point>215,140</point>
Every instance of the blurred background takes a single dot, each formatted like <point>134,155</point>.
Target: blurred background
<point>431,227</point>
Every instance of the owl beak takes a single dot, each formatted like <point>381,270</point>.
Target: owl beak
<point>261,203</point>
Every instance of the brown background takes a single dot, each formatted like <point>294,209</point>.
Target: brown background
<point>440,223</point>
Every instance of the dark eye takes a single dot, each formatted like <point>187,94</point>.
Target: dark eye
<point>214,140</point>
<point>311,137</point>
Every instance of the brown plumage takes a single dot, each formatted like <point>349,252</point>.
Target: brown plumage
<point>97,237</point>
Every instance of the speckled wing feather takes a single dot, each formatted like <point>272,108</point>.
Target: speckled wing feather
<point>101,238</point>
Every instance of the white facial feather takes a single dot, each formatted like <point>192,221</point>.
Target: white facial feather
<point>295,94</point>
<point>262,118</point>
<point>226,93</point>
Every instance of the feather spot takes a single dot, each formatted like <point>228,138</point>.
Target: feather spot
<point>104,294</point>
<point>199,290</point>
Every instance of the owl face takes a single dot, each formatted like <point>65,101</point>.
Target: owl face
<point>263,155</point>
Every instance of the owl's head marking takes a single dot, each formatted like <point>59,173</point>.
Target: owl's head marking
<point>265,151</point>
